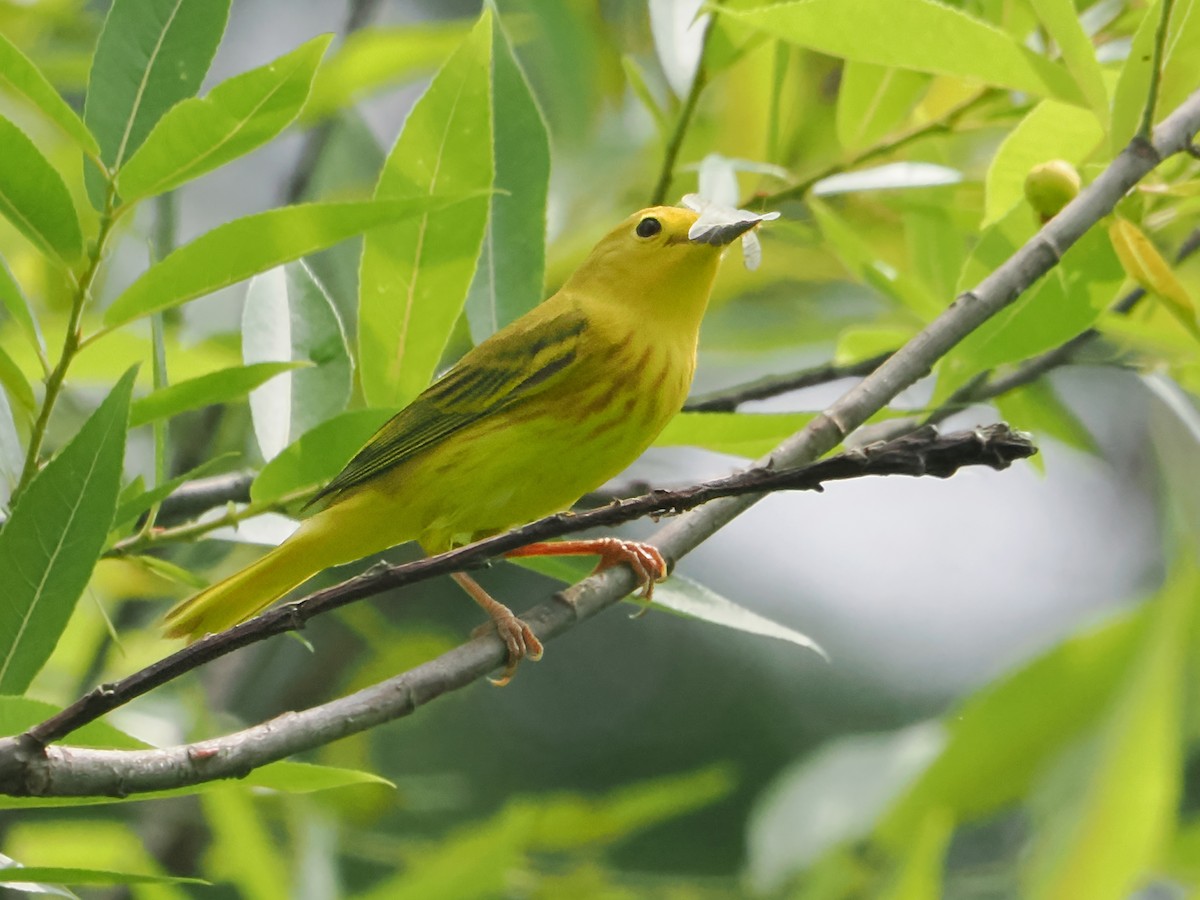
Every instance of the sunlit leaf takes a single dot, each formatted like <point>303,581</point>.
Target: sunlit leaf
<point>1052,130</point>
<point>1104,811</point>
<point>18,307</point>
<point>34,198</point>
<point>223,386</point>
<point>251,245</point>
<point>1145,265</point>
<point>136,499</point>
<point>151,54</point>
<point>415,275</point>
<point>373,58</point>
<point>15,876</point>
<point>14,380</point>
<point>921,35</point>
<point>19,75</point>
<point>54,536</point>
<point>1063,23</point>
<point>508,279</point>
<point>200,134</point>
<point>873,101</point>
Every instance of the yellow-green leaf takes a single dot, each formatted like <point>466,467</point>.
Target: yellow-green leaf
<point>1145,265</point>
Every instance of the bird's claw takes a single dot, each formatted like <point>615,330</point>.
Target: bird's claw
<point>647,564</point>
<point>519,640</point>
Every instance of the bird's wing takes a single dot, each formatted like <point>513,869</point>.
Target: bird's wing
<point>498,374</point>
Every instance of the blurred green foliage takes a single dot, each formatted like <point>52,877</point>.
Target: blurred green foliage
<point>478,154</point>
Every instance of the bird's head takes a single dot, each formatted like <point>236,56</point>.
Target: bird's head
<point>650,265</point>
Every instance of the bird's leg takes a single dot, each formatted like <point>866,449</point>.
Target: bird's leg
<point>517,636</point>
<point>647,563</point>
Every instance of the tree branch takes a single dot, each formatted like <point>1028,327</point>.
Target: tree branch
<point>925,453</point>
<point>729,399</point>
<point>28,767</point>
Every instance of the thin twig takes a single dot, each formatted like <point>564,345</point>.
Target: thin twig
<point>1160,38</point>
<point>729,399</point>
<point>938,126</point>
<point>675,143</point>
<point>922,454</point>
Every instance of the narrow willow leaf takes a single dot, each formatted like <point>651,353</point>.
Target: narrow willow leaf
<point>1180,69</point>
<point>678,29</point>
<point>34,198</point>
<point>738,434</point>
<point>15,381</point>
<point>1063,24</point>
<point>1038,408</point>
<point>201,134</point>
<point>54,537</point>
<point>376,57</point>
<point>874,101</point>
<point>415,275</point>
<point>289,317</point>
<point>150,55</point>
<point>1105,809</point>
<point>223,386</point>
<point>1000,739</point>
<point>1067,301</point>
<point>24,875</point>
<point>19,75</point>
<point>236,250</point>
<point>136,498</point>
<point>508,279</point>
<point>862,260</point>
<point>318,455</point>
<point>12,455</point>
<point>921,35</point>
<point>1147,267</point>
<point>692,599</point>
<point>1051,130</point>
<point>18,307</point>
<point>243,852</point>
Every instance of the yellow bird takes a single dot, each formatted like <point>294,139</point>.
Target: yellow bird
<point>526,423</point>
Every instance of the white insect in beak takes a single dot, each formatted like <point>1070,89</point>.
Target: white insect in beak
<point>720,225</point>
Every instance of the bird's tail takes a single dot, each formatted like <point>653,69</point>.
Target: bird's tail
<point>251,590</point>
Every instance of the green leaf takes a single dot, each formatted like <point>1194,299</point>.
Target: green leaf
<point>292,777</point>
<point>236,250</point>
<point>738,434</point>
<point>19,714</point>
<point>288,316</point>
<point>508,279</point>
<point>415,275</point>
<point>34,198</point>
<point>861,259</point>
<point>873,101</point>
<point>150,55</point>
<point>134,502</point>
<point>920,870</point>
<point>1038,408</point>
<point>1002,736</point>
<point>13,877</point>
<point>1052,130</point>
<point>1067,301</point>
<point>694,600</point>
<point>21,76</point>
<point>912,34</point>
<point>12,454</point>
<point>1106,810</point>
<point>1063,24</point>
<point>318,455</point>
<point>373,58</point>
<point>223,386</point>
<point>201,134</point>
<point>1180,69</point>
<point>243,851</point>
<point>15,382</point>
<point>18,307</point>
<point>54,536</point>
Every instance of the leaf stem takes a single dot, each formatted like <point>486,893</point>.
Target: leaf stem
<point>675,143</point>
<point>1160,38</point>
<point>72,343</point>
<point>942,124</point>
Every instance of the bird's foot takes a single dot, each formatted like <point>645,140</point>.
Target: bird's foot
<point>518,637</point>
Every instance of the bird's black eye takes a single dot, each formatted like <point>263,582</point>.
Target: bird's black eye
<point>648,227</point>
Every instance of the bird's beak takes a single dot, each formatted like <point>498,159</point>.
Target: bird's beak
<point>723,234</point>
